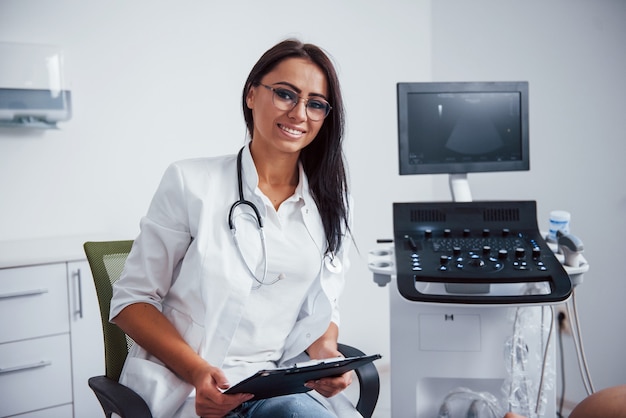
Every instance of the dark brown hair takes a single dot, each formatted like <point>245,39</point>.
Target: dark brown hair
<point>322,159</point>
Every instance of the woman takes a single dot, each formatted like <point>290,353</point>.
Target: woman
<point>208,300</point>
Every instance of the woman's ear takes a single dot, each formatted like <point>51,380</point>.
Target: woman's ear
<point>250,98</point>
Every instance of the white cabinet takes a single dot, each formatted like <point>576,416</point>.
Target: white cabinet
<point>86,339</point>
<point>50,340</point>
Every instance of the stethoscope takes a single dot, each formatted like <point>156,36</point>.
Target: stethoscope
<point>259,223</point>
<point>332,263</point>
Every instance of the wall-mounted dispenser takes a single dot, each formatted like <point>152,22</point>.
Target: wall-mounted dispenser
<point>32,86</point>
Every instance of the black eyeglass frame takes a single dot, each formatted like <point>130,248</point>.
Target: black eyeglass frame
<point>275,92</point>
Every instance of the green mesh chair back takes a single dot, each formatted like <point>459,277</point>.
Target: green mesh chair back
<point>106,260</point>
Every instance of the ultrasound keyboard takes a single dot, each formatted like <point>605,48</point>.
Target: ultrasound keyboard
<point>471,250</point>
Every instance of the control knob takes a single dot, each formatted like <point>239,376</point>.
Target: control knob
<point>476,261</point>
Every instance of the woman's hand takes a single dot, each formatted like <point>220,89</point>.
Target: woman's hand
<point>210,401</point>
<point>326,347</point>
<point>331,386</point>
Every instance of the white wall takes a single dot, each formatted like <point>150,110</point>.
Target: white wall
<point>157,81</point>
<point>153,82</point>
<point>572,53</point>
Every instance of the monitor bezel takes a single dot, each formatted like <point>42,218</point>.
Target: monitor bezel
<point>406,88</point>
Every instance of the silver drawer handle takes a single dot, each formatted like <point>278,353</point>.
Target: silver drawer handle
<point>23,293</point>
<point>79,279</point>
<point>42,363</point>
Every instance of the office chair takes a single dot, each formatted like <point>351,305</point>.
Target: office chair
<point>106,260</point>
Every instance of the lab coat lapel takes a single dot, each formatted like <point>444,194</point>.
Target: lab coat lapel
<point>226,283</point>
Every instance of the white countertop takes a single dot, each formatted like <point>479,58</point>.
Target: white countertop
<point>28,252</point>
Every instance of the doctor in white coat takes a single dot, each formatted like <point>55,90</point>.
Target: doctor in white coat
<point>241,259</point>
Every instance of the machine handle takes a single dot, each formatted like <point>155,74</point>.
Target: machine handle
<point>560,291</point>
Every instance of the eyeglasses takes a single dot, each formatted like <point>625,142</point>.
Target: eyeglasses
<point>286,99</point>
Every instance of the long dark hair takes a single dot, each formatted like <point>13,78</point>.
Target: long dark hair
<point>322,159</point>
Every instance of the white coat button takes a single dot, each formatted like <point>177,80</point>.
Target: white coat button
<point>308,335</point>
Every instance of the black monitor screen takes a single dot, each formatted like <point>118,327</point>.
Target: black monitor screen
<point>463,127</point>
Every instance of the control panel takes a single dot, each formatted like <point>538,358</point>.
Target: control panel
<point>471,248</point>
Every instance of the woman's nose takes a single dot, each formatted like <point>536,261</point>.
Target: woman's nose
<point>299,110</point>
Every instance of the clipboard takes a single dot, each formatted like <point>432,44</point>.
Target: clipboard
<point>287,380</point>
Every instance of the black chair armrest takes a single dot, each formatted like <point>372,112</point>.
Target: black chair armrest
<point>369,383</point>
<point>117,398</point>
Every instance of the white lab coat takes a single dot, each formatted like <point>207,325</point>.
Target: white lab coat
<point>185,263</point>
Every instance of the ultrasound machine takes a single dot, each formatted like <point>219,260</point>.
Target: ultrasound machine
<point>472,284</point>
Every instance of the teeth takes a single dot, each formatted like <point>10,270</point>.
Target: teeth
<point>291,131</point>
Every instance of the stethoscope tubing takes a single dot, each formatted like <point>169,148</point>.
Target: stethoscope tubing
<point>332,263</point>
<point>259,222</point>
<point>241,200</point>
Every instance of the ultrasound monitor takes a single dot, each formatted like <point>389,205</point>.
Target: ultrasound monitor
<point>462,127</point>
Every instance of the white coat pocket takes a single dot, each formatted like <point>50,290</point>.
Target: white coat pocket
<point>162,390</point>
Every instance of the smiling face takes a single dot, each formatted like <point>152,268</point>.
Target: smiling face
<point>287,131</point>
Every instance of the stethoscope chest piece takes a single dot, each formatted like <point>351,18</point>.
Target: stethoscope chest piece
<point>332,263</point>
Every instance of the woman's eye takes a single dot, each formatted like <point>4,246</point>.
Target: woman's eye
<point>317,104</point>
<point>286,94</point>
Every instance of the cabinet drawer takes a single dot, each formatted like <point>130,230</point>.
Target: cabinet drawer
<point>64,411</point>
<point>33,302</point>
<point>35,374</point>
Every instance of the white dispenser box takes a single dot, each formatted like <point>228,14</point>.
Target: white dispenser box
<point>32,86</point>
